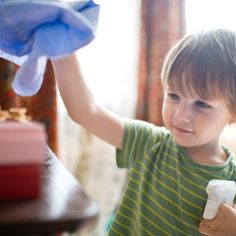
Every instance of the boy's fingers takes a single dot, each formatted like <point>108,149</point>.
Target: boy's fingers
<point>204,227</point>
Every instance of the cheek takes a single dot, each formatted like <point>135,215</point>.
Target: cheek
<point>220,123</point>
<point>166,113</point>
<point>211,125</point>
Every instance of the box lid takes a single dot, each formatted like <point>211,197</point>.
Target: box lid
<point>12,130</point>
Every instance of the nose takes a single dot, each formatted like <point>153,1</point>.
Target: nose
<point>183,114</point>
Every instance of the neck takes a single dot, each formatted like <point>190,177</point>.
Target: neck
<point>207,154</point>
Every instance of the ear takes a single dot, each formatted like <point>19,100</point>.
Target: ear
<point>232,119</point>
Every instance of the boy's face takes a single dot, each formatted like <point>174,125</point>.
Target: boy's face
<point>191,120</point>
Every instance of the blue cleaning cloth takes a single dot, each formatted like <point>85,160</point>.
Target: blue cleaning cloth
<point>32,31</point>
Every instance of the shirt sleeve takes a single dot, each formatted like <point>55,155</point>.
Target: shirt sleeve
<point>139,138</point>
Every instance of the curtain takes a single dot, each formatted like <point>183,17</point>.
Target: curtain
<point>162,23</point>
<point>7,96</point>
<point>41,107</point>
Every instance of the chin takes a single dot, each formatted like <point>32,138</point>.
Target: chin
<point>190,143</point>
<point>187,143</point>
<point>184,144</point>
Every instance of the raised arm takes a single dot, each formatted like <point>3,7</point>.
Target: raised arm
<point>81,105</point>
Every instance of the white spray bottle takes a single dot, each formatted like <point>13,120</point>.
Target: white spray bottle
<point>219,191</point>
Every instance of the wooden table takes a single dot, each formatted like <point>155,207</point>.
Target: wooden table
<point>62,207</point>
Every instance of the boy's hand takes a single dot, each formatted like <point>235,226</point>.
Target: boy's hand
<point>224,224</point>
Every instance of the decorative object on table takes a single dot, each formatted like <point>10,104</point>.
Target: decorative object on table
<point>14,114</point>
<point>42,29</point>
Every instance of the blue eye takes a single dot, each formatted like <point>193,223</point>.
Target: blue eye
<point>202,104</point>
<point>174,96</point>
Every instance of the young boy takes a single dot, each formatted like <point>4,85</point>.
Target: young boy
<point>169,167</point>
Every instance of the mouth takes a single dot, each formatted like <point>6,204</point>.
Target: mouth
<point>182,130</point>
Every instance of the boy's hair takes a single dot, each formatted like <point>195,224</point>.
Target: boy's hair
<point>204,63</point>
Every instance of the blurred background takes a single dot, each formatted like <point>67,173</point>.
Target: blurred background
<point>122,67</point>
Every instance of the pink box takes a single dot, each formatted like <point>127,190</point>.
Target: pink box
<point>22,151</point>
<point>20,182</point>
<point>22,143</point>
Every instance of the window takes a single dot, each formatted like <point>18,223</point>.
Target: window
<point>208,14</point>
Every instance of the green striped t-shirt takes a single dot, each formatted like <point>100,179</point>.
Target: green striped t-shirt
<point>165,192</point>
